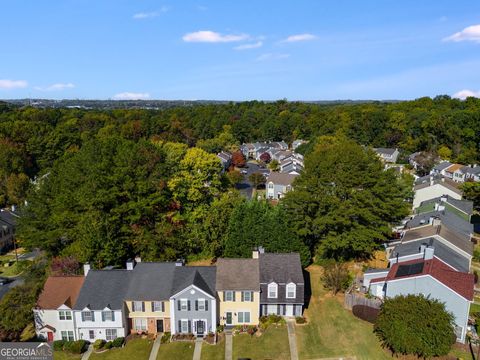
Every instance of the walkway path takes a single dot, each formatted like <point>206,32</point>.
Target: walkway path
<point>228,345</point>
<point>198,348</point>
<point>292,339</point>
<point>87,353</point>
<point>155,348</point>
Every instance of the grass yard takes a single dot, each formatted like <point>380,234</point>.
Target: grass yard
<point>333,331</point>
<point>273,344</point>
<point>135,349</point>
<point>213,352</point>
<point>61,355</point>
<point>178,350</point>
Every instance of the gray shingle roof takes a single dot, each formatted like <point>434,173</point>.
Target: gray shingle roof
<point>281,178</point>
<point>463,205</point>
<point>387,151</point>
<point>449,219</point>
<point>281,268</point>
<point>238,274</point>
<point>202,277</point>
<point>146,274</point>
<point>441,251</point>
<point>442,166</point>
<point>103,288</point>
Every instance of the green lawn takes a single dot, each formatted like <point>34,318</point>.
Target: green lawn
<point>213,352</point>
<point>178,350</point>
<point>333,331</point>
<point>135,349</point>
<point>61,355</point>
<point>273,344</point>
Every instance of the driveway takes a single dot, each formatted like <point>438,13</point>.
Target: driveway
<point>245,186</point>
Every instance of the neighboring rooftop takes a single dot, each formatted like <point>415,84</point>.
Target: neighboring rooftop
<point>442,166</point>
<point>447,183</point>
<point>462,205</point>
<point>281,178</point>
<point>386,151</point>
<point>60,290</point>
<point>202,277</point>
<point>460,282</point>
<point>281,268</point>
<point>448,218</point>
<point>146,274</point>
<point>237,274</point>
<point>454,167</point>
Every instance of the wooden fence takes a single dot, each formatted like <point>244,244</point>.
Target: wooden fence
<point>352,299</point>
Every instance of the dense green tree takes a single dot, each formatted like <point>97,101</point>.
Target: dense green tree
<point>344,201</point>
<point>256,223</point>
<point>256,179</point>
<point>415,325</point>
<point>471,191</point>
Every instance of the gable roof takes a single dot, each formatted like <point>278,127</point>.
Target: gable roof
<point>151,281</point>
<point>281,178</point>
<point>441,251</point>
<point>454,167</point>
<point>460,241</point>
<point>386,151</point>
<point>59,290</point>
<point>465,206</point>
<point>439,180</point>
<point>238,274</point>
<point>471,170</point>
<point>280,268</point>
<point>8,217</point>
<point>203,277</point>
<point>460,282</point>
<point>442,166</point>
<point>104,288</point>
<point>449,219</point>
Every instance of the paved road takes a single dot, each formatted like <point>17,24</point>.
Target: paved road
<point>245,187</point>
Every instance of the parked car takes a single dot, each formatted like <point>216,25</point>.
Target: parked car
<point>244,172</point>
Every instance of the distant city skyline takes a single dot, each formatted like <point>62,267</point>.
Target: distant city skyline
<point>245,50</point>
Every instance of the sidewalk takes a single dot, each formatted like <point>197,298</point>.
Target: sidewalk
<point>292,339</point>
<point>155,348</point>
<point>198,348</point>
<point>228,345</point>
<point>86,354</point>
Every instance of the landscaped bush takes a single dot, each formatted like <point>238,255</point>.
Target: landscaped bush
<point>266,321</point>
<point>118,342</point>
<point>58,345</point>
<point>75,347</point>
<point>99,344</point>
<point>300,320</point>
<point>108,345</point>
<point>366,313</point>
<point>165,338</point>
<point>220,328</point>
<point>177,337</point>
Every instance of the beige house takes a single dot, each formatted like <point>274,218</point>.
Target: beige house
<point>149,316</point>
<point>238,289</point>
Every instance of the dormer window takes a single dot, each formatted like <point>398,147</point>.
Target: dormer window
<point>291,291</point>
<point>272,291</point>
<point>65,315</point>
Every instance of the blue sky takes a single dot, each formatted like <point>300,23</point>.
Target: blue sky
<point>239,50</point>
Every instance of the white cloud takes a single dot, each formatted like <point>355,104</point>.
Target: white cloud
<point>12,84</point>
<point>56,87</point>
<point>300,37</point>
<point>471,33</point>
<point>272,56</point>
<point>249,46</point>
<point>152,14</point>
<point>131,96</point>
<point>463,94</point>
<point>213,37</point>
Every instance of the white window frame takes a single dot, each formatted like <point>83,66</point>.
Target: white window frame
<point>157,306</point>
<point>271,185</point>
<point>228,292</point>
<point>141,324</point>
<point>250,293</point>
<point>201,302</point>
<point>183,305</point>
<point>90,333</point>
<point>110,334</point>
<point>64,315</point>
<point>182,322</point>
<point>243,319</point>
<point>67,335</point>
<point>272,287</point>
<point>137,305</point>
<point>90,315</point>
<point>291,286</point>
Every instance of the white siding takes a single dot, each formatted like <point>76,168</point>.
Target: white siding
<point>432,192</point>
<point>99,326</point>
<point>50,317</point>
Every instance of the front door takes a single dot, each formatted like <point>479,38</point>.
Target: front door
<point>160,326</point>
<point>200,327</point>
<point>289,310</point>
<point>229,318</point>
<point>49,336</point>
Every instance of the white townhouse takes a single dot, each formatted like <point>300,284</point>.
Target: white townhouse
<point>53,314</point>
<point>100,310</point>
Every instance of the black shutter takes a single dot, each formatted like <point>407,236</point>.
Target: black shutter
<point>103,315</point>
<point>278,310</point>
<point>196,305</point>
<point>243,297</point>
<point>178,302</point>
<point>163,306</point>
<point>83,316</point>
<point>143,306</point>
<point>189,326</point>
<point>233,292</point>
<point>206,305</point>
<point>251,296</point>
<point>188,304</point>
<point>93,315</point>
<point>152,304</point>
<point>224,296</point>
<point>179,327</point>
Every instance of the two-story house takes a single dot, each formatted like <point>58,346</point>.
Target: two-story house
<point>238,289</point>
<point>388,155</point>
<point>282,286</point>
<point>53,313</point>
<point>278,184</point>
<point>100,311</point>
<point>148,297</point>
<point>193,301</point>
